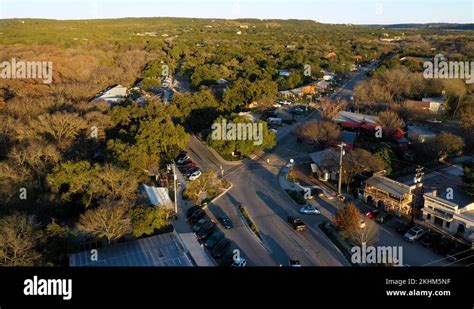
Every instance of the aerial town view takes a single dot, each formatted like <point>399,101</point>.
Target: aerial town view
<point>183,134</point>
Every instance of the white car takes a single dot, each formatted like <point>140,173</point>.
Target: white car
<point>286,102</point>
<point>183,160</point>
<point>195,175</point>
<point>277,105</point>
<point>310,210</point>
<point>413,234</point>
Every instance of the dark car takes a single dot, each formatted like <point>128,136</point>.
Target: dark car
<point>189,171</point>
<point>227,257</point>
<point>191,211</point>
<point>443,246</point>
<point>296,223</point>
<point>403,228</point>
<point>214,239</point>
<point>196,227</point>
<point>181,155</point>
<point>429,239</point>
<point>206,230</point>
<point>226,222</point>
<point>220,249</point>
<point>198,214</point>
<point>382,218</point>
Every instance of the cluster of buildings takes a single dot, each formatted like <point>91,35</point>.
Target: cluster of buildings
<point>442,201</point>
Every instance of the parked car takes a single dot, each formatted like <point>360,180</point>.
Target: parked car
<point>382,217</point>
<point>197,226</point>
<point>196,216</point>
<point>294,263</point>
<point>191,211</point>
<point>362,224</point>
<point>413,234</point>
<point>183,160</point>
<point>190,164</point>
<point>373,213</point>
<point>188,171</point>
<point>285,102</point>
<point>310,210</point>
<point>220,249</point>
<point>214,239</point>
<point>429,239</point>
<point>206,230</point>
<point>226,222</point>
<point>239,262</point>
<point>296,223</point>
<point>277,105</point>
<point>195,175</point>
<point>181,155</point>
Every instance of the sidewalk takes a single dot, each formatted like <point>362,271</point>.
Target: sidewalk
<point>182,227</point>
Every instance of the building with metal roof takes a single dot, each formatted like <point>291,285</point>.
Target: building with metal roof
<point>159,250</point>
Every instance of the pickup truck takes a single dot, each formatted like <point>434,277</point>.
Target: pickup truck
<point>296,223</point>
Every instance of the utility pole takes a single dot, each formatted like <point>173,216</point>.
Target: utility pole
<point>418,192</point>
<point>341,145</point>
<point>175,193</point>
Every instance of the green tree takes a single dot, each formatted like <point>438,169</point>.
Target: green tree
<point>146,220</point>
<point>88,183</point>
<point>244,146</point>
<point>386,155</point>
<point>468,177</point>
<point>448,144</point>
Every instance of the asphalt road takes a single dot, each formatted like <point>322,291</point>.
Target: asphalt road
<point>255,184</point>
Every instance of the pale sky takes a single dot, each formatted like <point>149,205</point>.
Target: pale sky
<point>327,11</point>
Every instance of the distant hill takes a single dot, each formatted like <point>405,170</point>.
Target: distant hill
<point>433,26</point>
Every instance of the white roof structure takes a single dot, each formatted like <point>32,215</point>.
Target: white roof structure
<point>112,95</point>
<point>344,116</point>
<point>157,196</point>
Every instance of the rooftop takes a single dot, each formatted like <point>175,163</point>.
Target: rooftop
<point>323,158</point>
<point>156,196</point>
<point>112,94</point>
<point>442,182</point>
<point>391,186</point>
<point>344,116</point>
<point>160,250</point>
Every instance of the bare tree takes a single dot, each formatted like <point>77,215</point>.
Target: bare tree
<point>366,235</point>
<point>329,108</point>
<point>318,131</point>
<point>110,220</point>
<point>389,121</point>
<point>18,238</point>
